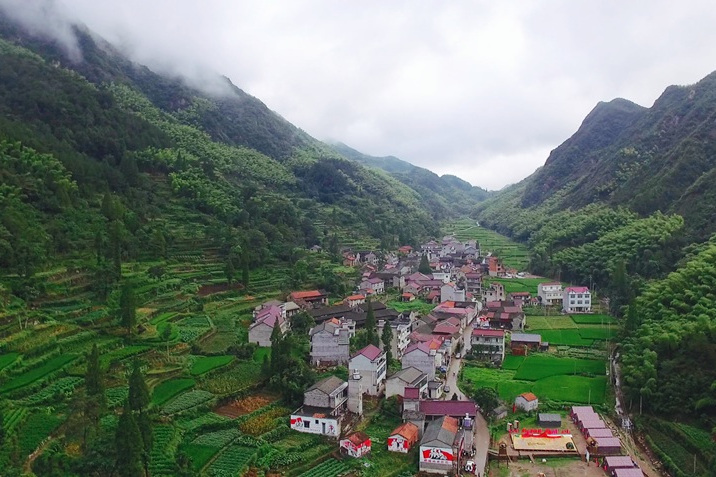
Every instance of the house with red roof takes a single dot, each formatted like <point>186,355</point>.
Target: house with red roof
<point>527,402</point>
<point>371,363</point>
<point>440,447</point>
<point>405,249</point>
<point>577,300</point>
<point>355,445</point>
<point>266,319</point>
<point>403,437</point>
<point>488,344</point>
<point>310,297</point>
<point>354,300</point>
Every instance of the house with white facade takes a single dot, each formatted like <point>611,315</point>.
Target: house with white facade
<point>577,300</point>
<point>266,319</point>
<point>370,362</point>
<point>451,292</point>
<point>403,437</point>
<point>527,402</point>
<point>376,284</point>
<point>488,344</point>
<point>401,335</point>
<point>550,293</point>
<point>439,447</point>
<point>324,405</point>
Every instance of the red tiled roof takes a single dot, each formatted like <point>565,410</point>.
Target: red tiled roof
<point>356,297</point>
<point>446,328</point>
<point>411,393</point>
<point>407,430</point>
<point>549,283</point>
<point>424,347</point>
<point>577,289</point>
<point>528,396</point>
<point>407,295</point>
<point>371,352</point>
<point>448,408</point>
<point>359,438</point>
<point>306,294</point>
<point>520,293</point>
<point>479,332</point>
<point>433,294</point>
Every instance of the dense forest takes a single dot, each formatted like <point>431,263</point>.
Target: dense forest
<point>625,205</point>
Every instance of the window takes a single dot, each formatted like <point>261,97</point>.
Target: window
<point>307,424</point>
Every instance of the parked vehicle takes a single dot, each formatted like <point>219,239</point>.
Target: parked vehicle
<point>446,389</point>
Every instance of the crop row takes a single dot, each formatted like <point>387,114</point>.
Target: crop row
<point>163,450</point>
<point>13,418</point>
<point>187,401</point>
<point>231,462</point>
<point>36,374</point>
<point>63,386</point>
<point>217,439</point>
<point>168,389</point>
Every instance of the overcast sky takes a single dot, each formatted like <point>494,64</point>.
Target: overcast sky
<point>479,89</point>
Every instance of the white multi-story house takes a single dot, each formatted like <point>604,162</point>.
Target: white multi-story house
<point>550,293</point>
<point>371,364</point>
<point>323,408</point>
<point>577,300</point>
<point>489,344</point>
<point>401,335</point>
<point>376,284</point>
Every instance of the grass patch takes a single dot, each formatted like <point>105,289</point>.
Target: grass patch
<point>593,319</point>
<point>8,359</point>
<point>38,373</point>
<point>199,454</point>
<point>557,322</point>
<point>598,333</point>
<point>513,362</point>
<point>204,364</point>
<point>168,389</point>
<point>563,337</point>
<point>260,353</point>
<point>536,367</point>
<point>579,389</point>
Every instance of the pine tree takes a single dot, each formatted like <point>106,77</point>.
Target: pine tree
<point>387,338</point>
<point>128,438</point>
<point>424,266</point>
<point>94,388</point>
<point>128,308</point>
<point>145,430</point>
<point>229,270</point>
<point>115,247</point>
<point>371,333</point>
<point>138,391</point>
<point>276,351</point>
<point>166,335</point>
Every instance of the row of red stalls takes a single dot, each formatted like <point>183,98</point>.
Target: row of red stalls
<point>601,443</point>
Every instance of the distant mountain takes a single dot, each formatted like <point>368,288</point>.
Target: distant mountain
<point>447,194</point>
<point>661,158</point>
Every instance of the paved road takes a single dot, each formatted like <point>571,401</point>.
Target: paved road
<point>481,431</point>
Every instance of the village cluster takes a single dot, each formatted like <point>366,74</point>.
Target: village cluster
<point>468,316</point>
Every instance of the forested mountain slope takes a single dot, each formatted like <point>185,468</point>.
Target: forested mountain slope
<point>115,128</point>
<point>448,194</point>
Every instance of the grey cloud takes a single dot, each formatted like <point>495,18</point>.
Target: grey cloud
<point>483,90</point>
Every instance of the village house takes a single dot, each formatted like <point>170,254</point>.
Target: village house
<point>406,378</point>
<point>309,298</point>
<point>354,300</point>
<point>520,343</point>
<point>577,300</point>
<point>324,406</point>
<point>324,313</point>
<point>376,284</point>
<point>494,292</point>
<point>527,402</point>
<point>261,330</point>
<point>451,292</point>
<point>495,267</point>
<point>507,315</point>
<point>401,327</point>
<point>355,445</point>
<point>473,282</point>
<point>488,344</point>
<point>330,342</point>
<point>550,293</point>
<point>405,249</point>
<point>403,437</point>
<point>439,447</point>
<point>433,409</point>
<point>420,356</point>
<point>465,311</point>
<point>370,363</point>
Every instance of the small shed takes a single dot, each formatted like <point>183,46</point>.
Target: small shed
<point>602,432</point>
<point>635,472</point>
<point>611,463</point>
<point>527,402</point>
<point>403,437</point>
<point>356,444</point>
<point>605,445</point>
<point>577,413</point>
<point>500,412</point>
<point>550,421</point>
<point>585,426</point>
